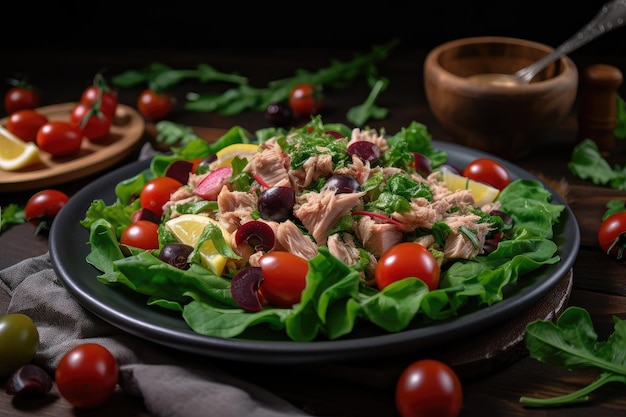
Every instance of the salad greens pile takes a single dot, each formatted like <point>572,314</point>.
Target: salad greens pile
<point>335,299</point>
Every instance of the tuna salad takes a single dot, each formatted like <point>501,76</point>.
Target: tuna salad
<point>285,231</point>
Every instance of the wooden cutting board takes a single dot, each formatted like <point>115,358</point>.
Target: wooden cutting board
<point>125,136</point>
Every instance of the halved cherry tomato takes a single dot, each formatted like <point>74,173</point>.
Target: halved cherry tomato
<point>157,192</point>
<point>154,105</point>
<point>284,278</point>
<point>21,96</point>
<point>612,235</point>
<point>94,123</point>
<point>488,171</point>
<point>428,388</point>
<point>25,123</point>
<point>306,99</point>
<point>60,138</point>
<point>87,375</point>
<point>404,260</point>
<point>142,234</point>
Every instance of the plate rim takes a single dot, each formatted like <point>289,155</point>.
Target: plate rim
<point>290,352</point>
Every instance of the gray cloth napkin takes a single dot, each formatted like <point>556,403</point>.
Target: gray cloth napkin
<point>169,388</point>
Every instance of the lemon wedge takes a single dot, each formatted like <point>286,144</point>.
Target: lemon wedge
<point>226,155</point>
<point>15,153</point>
<point>482,193</point>
<point>187,229</point>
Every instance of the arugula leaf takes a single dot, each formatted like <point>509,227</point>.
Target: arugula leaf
<point>572,342</point>
<point>612,207</point>
<point>363,112</point>
<point>11,214</point>
<point>243,97</point>
<point>171,133</point>
<point>160,77</point>
<point>588,163</point>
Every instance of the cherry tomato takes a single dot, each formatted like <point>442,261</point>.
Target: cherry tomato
<point>86,375</point>
<point>25,123</point>
<point>94,123</point>
<point>154,105</point>
<point>142,234</point>
<point>43,206</point>
<point>60,138</point>
<point>612,235</point>
<point>100,95</point>
<point>108,101</point>
<point>19,340</point>
<point>22,96</point>
<point>429,388</point>
<point>407,259</point>
<point>157,192</point>
<point>306,99</point>
<point>487,171</point>
<point>284,278</point>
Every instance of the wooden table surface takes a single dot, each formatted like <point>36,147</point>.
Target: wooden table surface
<point>366,389</point>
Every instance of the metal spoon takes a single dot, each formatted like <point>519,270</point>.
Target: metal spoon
<point>611,16</point>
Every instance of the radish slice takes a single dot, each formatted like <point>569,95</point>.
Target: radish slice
<point>212,184</point>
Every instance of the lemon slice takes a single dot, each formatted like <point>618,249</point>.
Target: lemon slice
<point>187,229</point>
<point>15,153</point>
<point>243,150</point>
<point>482,193</point>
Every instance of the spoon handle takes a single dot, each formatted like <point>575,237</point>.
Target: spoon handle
<point>611,16</point>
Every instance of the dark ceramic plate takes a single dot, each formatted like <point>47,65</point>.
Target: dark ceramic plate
<point>128,310</point>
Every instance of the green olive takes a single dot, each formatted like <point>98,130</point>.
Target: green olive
<point>19,340</point>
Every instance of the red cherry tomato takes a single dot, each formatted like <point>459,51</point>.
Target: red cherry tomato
<point>59,138</point>
<point>154,105</point>
<point>429,388</point>
<point>108,100</point>
<point>21,97</point>
<point>612,235</point>
<point>25,123</point>
<point>407,259</point>
<point>142,234</point>
<point>94,123</point>
<point>100,95</point>
<point>488,171</point>
<point>306,99</point>
<point>284,278</point>
<point>157,192</point>
<point>87,375</point>
<point>43,206</point>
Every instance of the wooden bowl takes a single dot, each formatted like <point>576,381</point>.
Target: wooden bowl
<point>500,119</point>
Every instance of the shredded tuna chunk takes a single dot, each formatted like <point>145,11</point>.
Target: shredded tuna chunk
<point>422,214</point>
<point>343,248</point>
<point>459,246</point>
<point>235,208</point>
<point>291,239</point>
<point>316,166</point>
<point>271,165</point>
<point>183,195</point>
<point>358,169</point>
<point>319,212</point>
<point>377,237</point>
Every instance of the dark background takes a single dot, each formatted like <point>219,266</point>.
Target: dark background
<point>59,46</point>
<point>186,24</point>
